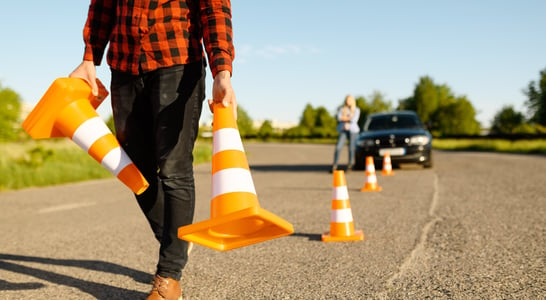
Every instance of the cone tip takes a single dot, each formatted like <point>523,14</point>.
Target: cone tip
<point>339,178</point>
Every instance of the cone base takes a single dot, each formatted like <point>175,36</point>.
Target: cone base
<point>369,189</point>
<point>214,233</point>
<point>357,236</point>
<point>133,179</point>
<point>39,123</point>
<point>387,173</point>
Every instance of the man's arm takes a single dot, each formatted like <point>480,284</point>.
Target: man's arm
<point>96,34</point>
<point>217,34</point>
<point>217,37</point>
<point>98,27</point>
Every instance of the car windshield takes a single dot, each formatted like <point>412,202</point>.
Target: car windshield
<point>392,122</point>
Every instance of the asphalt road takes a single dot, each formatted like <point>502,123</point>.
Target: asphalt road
<point>472,227</point>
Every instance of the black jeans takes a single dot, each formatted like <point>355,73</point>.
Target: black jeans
<point>156,115</point>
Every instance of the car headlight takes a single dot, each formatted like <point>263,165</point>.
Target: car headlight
<point>419,140</point>
<point>366,143</point>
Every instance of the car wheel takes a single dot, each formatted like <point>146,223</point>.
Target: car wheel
<point>428,163</point>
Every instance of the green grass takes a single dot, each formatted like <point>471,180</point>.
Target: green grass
<point>536,146</point>
<point>57,161</point>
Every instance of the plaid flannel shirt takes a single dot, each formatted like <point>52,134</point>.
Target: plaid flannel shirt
<point>151,34</point>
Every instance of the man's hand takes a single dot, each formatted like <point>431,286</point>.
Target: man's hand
<point>222,92</point>
<point>86,71</point>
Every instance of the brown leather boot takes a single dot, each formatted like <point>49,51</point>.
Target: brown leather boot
<point>165,289</point>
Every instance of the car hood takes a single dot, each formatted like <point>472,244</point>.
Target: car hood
<point>403,132</point>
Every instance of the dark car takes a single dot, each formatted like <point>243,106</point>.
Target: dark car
<point>401,133</point>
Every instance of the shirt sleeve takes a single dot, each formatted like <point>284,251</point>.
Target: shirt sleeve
<point>97,29</point>
<point>354,121</point>
<point>217,34</point>
<point>356,116</point>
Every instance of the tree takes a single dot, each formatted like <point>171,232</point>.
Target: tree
<point>324,125</point>
<point>308,116</point>
<point>507,120</point>
<point>266,130</point>
<point>377,103</point>
<point>10,114</point>
<point>313,123</point>
<point>407,104</point>
<point>536,102</point>
<point>244,123</point>
<point>425,97</point>
<point>440,109</point>
<point>455,118</point>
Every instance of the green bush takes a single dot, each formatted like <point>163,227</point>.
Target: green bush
<point>57,161</point>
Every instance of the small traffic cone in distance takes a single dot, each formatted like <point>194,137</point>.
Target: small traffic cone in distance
<point>237,219</point>
<point>370,184</point>
<point>387,165</point>
<point>68,110</point>
<point>341,217</point>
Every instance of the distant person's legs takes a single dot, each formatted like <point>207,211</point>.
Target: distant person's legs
<point>342,138</point>
<point>352,148</point>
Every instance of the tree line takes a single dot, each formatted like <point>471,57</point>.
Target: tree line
<point>443,112</point>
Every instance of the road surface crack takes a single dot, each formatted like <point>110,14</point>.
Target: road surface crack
<point>420,246</point>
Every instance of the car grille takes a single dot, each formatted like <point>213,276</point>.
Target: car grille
<point>392,142</point>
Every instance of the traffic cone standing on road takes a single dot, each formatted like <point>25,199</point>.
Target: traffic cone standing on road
<point>68,110</point>
<point>341,217</point>
<point>237,219</point>
<point>370,185</point>
<point>387,165</point>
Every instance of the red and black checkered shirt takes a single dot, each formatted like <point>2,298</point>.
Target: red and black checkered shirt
<point>150,34</point>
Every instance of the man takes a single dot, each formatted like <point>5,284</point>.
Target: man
<point>157,90</point>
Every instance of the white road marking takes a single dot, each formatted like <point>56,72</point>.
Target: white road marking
<point>65,207</point>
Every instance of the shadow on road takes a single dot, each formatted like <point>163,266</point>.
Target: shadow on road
<point>19,286</point>
<point>98,290</point>
<point>311,236</point>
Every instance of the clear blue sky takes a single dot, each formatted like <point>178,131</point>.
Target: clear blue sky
<point>291,53</point>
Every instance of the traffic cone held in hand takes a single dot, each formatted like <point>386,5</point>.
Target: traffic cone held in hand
<point>370,185</point>
<point>387,165</point>
<point>67,109</point>
<point>341,218</point>
<point>236,218</point>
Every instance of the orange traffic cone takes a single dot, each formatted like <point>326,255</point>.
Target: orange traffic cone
<point>370,185</point>
<point>341,218</point>
<point>236,218</point>
<point>387,165</point>
<point>68,110</point>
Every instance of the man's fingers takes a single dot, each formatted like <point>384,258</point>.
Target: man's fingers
<point>94,88</point>
<point>211,104</point>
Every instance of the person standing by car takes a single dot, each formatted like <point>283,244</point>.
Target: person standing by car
<point>158,72</point>
<point>347,127</point>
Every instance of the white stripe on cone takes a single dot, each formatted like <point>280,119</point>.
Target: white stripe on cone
<point>343,215</point>
<point>232,180</point>
<point>371,179</point>
<point>89,132</point>
<point>115,160</point>
<point>226,139</point>
<point>340,193</point>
